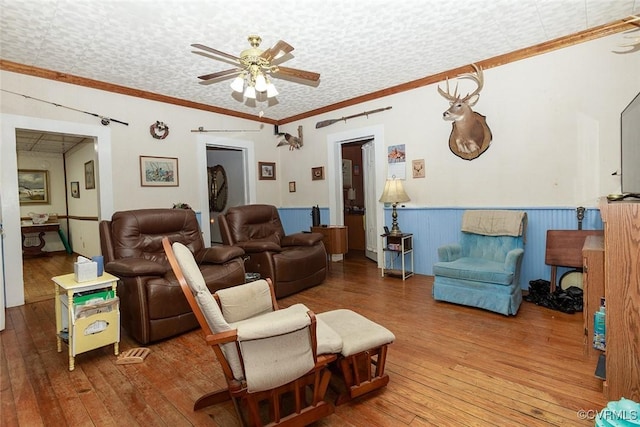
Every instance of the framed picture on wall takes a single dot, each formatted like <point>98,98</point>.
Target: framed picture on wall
<point>266,170</point>
<point>158,171</point>
<point>317,173</point>
<point>417,166</point>
<point>89,175</point>
<point>347,177</point>
<point>75,189</point>
<point>33,187</point>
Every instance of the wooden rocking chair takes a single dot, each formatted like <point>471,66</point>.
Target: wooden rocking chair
<point>268,356</point>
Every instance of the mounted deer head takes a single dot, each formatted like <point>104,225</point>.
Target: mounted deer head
<point>470,135</point>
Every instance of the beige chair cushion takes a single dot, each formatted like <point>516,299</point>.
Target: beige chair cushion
<point>276,347</point>
<point>196,283</point>
<point>357,332</point>
<point>207,304</point>
<point>245,301</point>
<point>329,342</point>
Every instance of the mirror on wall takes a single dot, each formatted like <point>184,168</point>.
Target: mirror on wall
<point>218,188</point>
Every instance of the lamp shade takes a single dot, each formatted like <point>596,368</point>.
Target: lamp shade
<point>394,192</point>
<point>271,90</point>
<point>250,92</point>
<point>238,84</point>
<point>261,83</point>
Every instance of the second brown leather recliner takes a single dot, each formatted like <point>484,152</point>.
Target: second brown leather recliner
<point>294,262</point>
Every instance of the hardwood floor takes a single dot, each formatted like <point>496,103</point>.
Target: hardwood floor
<point>37,274</point>
<point>450,365</point>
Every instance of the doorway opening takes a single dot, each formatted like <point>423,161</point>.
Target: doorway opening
<point>12,284</point>
<point>373,160</point>
<point>226,184</point>
<point>68,162</point>
<point>354,196</point>
<point>236,156</point>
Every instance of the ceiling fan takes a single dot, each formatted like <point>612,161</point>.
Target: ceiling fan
<point>254,66</point>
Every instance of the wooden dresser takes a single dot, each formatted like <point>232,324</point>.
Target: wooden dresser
<point>622,292</point>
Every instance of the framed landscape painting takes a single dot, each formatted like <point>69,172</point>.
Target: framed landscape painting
<point>158,171</point>
<point>33,187</point>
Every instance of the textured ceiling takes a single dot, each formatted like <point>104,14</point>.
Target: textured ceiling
<point>47,142</point>
<point>357,46</point>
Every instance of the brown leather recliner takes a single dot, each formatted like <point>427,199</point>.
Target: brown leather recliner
<point>294,262</point>
<point>152,304</point>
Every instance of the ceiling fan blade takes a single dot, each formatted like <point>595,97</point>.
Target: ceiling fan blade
<point>300,74</point>
<point>208,55</point>
<point>215,51</point>
<point>279,49</point>
<point>220,74</point>
<point>282,59</point>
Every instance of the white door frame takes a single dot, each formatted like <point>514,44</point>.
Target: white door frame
<point>334,172</point>
<point>370,200</point>
<point>13,287</point>
<point>248,159</point>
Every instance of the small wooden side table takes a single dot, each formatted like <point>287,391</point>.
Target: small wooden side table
<point>335,239</point>
<point>28,227</point>
<point>86,326</point>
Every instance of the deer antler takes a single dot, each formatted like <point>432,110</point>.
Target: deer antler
<point>477,77</point>
<point>447,95</point>
<point>634,42</point>
<point>635,20</point>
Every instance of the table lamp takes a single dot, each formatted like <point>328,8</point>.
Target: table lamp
<point>394,193</point>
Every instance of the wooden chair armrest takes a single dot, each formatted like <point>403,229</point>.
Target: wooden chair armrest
<point>325,359</point>
<point>222,337</point>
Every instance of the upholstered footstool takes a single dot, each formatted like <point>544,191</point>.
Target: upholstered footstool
<point>364,351</point>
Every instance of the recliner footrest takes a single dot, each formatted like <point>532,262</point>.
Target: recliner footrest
<point>364,351</point>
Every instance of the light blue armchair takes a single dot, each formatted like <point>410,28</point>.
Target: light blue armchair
<point>483,269</point>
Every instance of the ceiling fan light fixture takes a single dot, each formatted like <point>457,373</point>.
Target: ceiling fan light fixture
<point>271,90</point>
<point>261,83</point>
<point>238,84</point>
<point>250,92</point>
<point>254,66</point>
